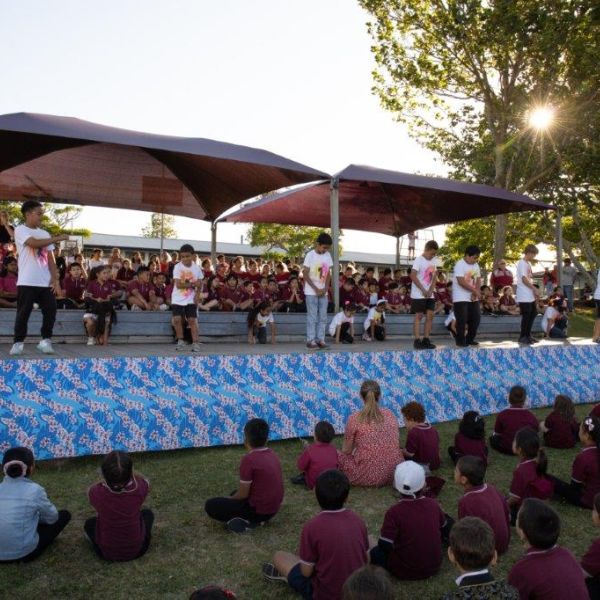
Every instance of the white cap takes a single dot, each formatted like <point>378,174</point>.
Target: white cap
<point>381,301</point>
<point>409,478</point>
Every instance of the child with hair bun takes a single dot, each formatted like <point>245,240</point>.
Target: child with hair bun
<point>560,427</point>
<point>510,420</point>
<point>122,529</point>
<point>29,522</point>
<point>470,439</point>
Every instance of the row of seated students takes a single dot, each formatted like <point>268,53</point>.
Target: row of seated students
<point>334,546</point>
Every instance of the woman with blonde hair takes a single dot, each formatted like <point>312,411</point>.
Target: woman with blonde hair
<point>371,447</point>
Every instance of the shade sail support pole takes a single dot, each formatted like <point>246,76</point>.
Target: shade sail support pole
<point>559,247</point>
<point>213,243</point>
<point>334,206</point>
<point>397,264</point>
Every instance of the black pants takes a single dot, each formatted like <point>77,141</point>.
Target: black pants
<point>468,315</point>
<point>345,333</point>
<point>379,333</point>
<point>47,534</point>
<point>225,509</point>
<point>496,444</point>
<point>27,296</point>
<point>260,333</point>
<point>145,514</point>
<point>593,586</point>
<point>570,492</point>
<point>528,315</point>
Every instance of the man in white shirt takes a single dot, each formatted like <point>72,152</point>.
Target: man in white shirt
<point>38,280</point>
<point>422,302</point>
<point>527,294</point>
<point>466,292</point>
<point>317,277</point>
<point>567,281</point>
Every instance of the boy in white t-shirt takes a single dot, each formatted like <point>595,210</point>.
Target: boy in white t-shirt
<point>316,271</point>
<point>527,294</point>
<point>422,302</point>
<point>38,280</point>
<point>374,327</point>
<point>466,291</point>
<point>555,321</point>
<point>187,281</point>
<point>342,325</point>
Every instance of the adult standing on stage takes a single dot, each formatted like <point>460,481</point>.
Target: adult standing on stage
<point>527,294</point>
<point>38,277</point>
<point>501,276</point>
<point>596,334</point>
<point>466,292</point>
<point>567,281</point>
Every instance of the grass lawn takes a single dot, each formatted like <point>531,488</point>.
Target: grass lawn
<point>581,324</point>
<point>188,550</point>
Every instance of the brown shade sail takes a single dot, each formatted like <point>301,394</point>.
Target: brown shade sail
<point>384,201</point>
<point>67,160</point>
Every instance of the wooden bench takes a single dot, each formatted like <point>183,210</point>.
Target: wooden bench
<point>155,327</point>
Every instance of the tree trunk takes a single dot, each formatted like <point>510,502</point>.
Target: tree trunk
<point>501,220</point>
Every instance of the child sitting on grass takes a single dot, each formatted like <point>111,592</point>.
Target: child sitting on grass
<point>410,542</point>
<point>482,500</point>
<point>333,545</point>
<point>318,457</point>
<point>590,562</point>
<point>470,439</point>
<point>560,427</point>
<point>29,522</point>
<point>472,552</point>
<point>122,530</point>
<point>260,491</point>
<point>368,583</point>
<point>510,420</point>
<point>546,570</point>
<point>422,440</point>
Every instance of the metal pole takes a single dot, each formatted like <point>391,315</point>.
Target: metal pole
<point>397,252</point>
<point>162,231</point>
<point>559,247</point>
<point>213,243</point>
<point>334,205</point>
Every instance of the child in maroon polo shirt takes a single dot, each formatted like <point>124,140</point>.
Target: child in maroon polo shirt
<point>482,500</point>
<point>529,478</point>
<point>590,561</point>
<point>260,491</point>
<point>470,439</point>
<point>122,529</point>
<point>318,457</point>
<point>510,420</point>
<point>410,542</point>
<point>333,545</point>
<point>546,570</point>
<point>422,440</point>
<point>560,427</point>
<point>585,472</point>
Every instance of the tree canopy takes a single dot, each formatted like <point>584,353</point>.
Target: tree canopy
<point>160,225</point>
<point>58,218</point>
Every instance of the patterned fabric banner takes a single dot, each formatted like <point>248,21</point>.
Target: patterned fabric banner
<point>76,407</point>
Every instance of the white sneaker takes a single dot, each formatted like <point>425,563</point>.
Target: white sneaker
<point>181,345</point>
<point>366,337</point>
<point>17,348</point>
<point>135,307</point>
<point>197,347</point>
<point>36,306</point>
<point>91,341</point>
<point>45,346</point>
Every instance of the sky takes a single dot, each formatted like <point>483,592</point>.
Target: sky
<point>290,77</point>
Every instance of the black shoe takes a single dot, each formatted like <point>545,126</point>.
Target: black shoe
<point>533,340</point>
<point>462,345</point>
<point>298,479</point>
<point>428,345</point>
<point>271,573</point>
<point>238,525</point>
<point>472,343</point>
<point>524,341</point>
<point>418,344</point>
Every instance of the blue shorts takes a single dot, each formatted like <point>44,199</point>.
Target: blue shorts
<point>299,583</point>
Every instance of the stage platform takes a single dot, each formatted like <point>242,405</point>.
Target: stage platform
<point>88,400</point>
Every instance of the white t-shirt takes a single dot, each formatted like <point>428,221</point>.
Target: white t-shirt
<point>425,270</point>
<point>597,292</point>
<point>318,266</point>
<point>471,274</point>
<point>93,263</point>
<point>338,320</point>
<point>450,318</point>
<point>33,262</point>
<point>193,273</point>
<point>524,293</point>
<point>373,315</point>
<point>262,320</point>
<point>549,313</point>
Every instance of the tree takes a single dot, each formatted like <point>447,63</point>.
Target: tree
<point>465,74</point>
<point>160,225</point>
<point>295,241</point>
<point>57,218</point>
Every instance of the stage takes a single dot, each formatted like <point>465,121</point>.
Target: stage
<point>88,400</point>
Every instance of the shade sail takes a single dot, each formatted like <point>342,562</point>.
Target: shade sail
<point>384,201</point>
<point>68,160</point>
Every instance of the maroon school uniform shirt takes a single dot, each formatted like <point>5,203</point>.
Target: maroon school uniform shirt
<point>548,575</point>
<point>120,531</point>
<point>526,483</point>
<point>74,288</point>
<point>315,459</point>
<point>336,543</point>
<point>124,274</point>
<point>487,503</point>
<point>562,434</point>
<point>262,470</point>
<point>413,526</point>
<point>347,296</point>
<point>393,298</point>
<point>384,283</point>
<point>253,277</point>
<point>361,296</point>
<point>227,293</point>
<point>586,471</point>
<point>143,288</point>
<point>424,442</point>
<point>465,446</point>
<point>100,290</point>
<point>509,421</point>
<point>595,411</point>
<point>590,561</point>
<point>8,284</point>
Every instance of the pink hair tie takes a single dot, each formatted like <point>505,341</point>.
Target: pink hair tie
<point>10,463</point>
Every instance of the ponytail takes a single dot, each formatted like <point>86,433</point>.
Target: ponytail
<point>542,463</point>
<point>370,392</point>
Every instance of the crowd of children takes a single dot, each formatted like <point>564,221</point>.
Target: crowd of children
<point>336,556</point>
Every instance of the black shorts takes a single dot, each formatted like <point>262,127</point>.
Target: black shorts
<point>597,308</point>
<point>422,305</point>
<point>189,311</point>
<point>299,583</point>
